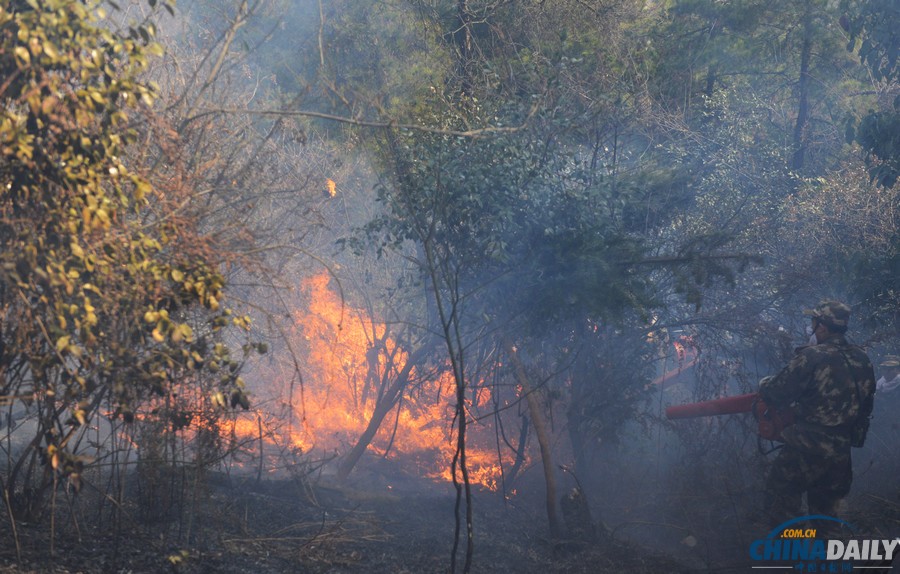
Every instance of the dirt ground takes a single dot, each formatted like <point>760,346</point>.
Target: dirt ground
<point>371,526</point>
<point>383,521</point>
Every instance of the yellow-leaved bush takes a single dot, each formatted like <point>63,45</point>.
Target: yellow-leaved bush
<point>107,295</point>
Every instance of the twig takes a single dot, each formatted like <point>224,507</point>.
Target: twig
<point>473,133</point>
<point>12,520</point>
<point>883,500</point>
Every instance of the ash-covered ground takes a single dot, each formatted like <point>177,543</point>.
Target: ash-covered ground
<point>374,524</point>
<point>658,503</point>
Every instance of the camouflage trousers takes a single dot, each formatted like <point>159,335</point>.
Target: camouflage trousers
<point>824,478</point>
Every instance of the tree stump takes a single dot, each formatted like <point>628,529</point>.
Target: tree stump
<point>577,516</point>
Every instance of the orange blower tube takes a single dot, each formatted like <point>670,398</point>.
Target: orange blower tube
<point>770,421</point>
<point>724,406</point>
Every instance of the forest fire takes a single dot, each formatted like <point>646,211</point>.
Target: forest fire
<point>544,224</point>
<point>361,394</point>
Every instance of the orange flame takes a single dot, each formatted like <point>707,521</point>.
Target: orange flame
<point>352,361</point>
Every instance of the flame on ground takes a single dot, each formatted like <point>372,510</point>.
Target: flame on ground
<point>352,363</point>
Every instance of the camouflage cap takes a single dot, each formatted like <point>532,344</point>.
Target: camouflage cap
<point>833,313</point>
<point>891,361</point>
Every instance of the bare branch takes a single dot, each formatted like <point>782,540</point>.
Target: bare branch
<point>473,133</point>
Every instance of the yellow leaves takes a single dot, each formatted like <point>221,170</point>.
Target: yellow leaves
<point>34,102</point>
<point>54,455</point>
<point>101,220</point>
<point>242,322</point>
<point>65,463</point>
<point>218,400</point>
<point>23,33</point>
<point>80,416</point>
<point>147,96</point>
<point>95,215</point>
<point>34,46</point>
<point>81,220</point>
<point>62,343</point>
<point>51,51</point>
<point>156,49</point>
<point>141,188</point>
<point>23,58</point>
<point>97,97</point>
<point>331,187</point>
<point>182,332</point>
<point>164,327</point>
<point>49,105</point>
<point>177,559</point>
<point>90,318</point>
<point>24,147</point>
<point>198,287</point>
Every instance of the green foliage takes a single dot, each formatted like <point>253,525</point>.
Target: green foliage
<point>879,134</point>
<point>611,369</point>
<point>503,211</point>
<point>102,297</point>
<point>873,29</point>
<point>872,25</point>
<point>848,227</point>
<point>757,49</point>
<point>441,182</point>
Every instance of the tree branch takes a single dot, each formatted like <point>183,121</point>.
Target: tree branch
<point>392,124</point>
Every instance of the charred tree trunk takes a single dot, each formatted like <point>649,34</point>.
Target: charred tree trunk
<point>800,127</point>
<point>385,404</point>
<point>520,452</point>
<point>462,36</point>
<point>577,515</point>
<point>712,71</point>
<point>540,431</point>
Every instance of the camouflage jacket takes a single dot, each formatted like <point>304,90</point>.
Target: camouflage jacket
<point>820,385</point>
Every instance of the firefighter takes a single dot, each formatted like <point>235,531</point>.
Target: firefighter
<point>830,388</point>
<point>890,378</point>
<point>884,419</point>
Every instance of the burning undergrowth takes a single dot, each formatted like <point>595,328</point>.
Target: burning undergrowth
<point>370,389</point>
